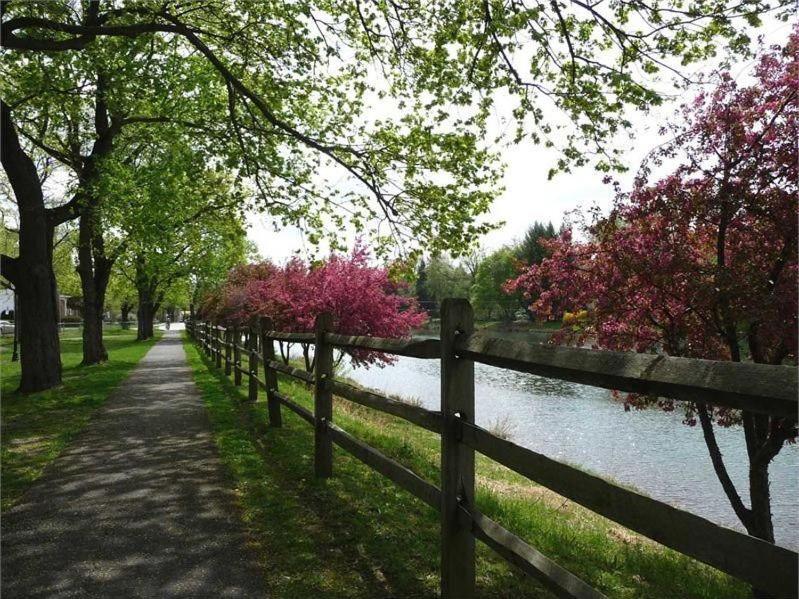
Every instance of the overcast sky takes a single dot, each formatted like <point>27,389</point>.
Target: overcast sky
<point>528,195</point>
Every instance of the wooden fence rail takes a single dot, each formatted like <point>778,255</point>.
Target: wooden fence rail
<point>755,387</point>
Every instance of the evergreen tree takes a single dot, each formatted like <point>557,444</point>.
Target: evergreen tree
<point>530,250</point>
<point>426,300</point>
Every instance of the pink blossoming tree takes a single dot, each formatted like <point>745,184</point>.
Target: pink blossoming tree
<point>703,262</point>
<point>363,299</point>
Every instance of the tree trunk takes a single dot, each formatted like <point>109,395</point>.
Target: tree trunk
<point>149,302</point>
<point>124,314</point>
<point>146,316</point>
<point>763,443</point>
<point>761,525</point>
<point>144,329</point>
<point>92,339</point>
<point>94,266</point>
<point>32,272</point>
<point>93,286</point>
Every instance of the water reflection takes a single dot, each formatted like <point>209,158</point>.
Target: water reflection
<point>650,450</point>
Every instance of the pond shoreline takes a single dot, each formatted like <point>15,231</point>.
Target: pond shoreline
<point>650,450</point>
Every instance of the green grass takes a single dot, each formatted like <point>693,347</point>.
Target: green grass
<point>35,428</point>
<point>359,535</point>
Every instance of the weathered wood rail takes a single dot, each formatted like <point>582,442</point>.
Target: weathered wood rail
<point>755,387</point>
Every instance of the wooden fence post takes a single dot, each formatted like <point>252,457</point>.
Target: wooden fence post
<point>214,340</point>
<point>270,376</point>
<point>228,350</point>
<point>323,398</point>
<point>208,351</point>
<point>218,343</point>
<point>253,364</point>
<point>457,460</point>
<point>236,355</point>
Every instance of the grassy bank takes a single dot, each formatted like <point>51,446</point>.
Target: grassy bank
<point>358,535</point>
<point>35,428</point>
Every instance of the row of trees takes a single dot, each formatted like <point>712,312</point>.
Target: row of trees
<point>167,223</point>
<point>278,95</point>
<point>363,300</point>
<point>481,277</point>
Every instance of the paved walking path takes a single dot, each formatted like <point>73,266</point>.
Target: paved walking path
<point>138,506</point>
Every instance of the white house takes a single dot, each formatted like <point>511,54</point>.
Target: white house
<point>7,306</point>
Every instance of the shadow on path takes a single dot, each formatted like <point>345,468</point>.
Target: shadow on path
<point>138,506</point>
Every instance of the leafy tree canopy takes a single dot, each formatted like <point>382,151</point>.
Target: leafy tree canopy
<point>701,260</point>
<point>289,85</point>
<point>445,279</point>
<point>487,293</point>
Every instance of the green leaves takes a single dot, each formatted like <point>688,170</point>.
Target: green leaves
<point>372,114</point>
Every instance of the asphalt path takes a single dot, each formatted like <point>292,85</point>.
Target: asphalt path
<point>139,505</point>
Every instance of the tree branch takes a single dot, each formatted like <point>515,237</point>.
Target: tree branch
<point>743,513</point>
<point>9,268</point>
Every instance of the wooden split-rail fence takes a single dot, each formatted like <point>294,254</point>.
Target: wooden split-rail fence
<point>755,387</point>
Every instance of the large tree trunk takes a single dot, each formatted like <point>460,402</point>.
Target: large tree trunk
<point>94,268</point>
<point>93,285</point>
<point>149,301</point>
<point>145,310</point>
<point>146,315</point>
<point>149,298</point>
<point>32,272</point>
<point>124,313</point>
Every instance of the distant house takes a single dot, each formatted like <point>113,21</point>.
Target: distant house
<point>68,306</point>
<point>7,306</point>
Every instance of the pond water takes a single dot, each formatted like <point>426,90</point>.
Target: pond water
<point>650,450</point>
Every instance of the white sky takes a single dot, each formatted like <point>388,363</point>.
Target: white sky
<point>528,195</point>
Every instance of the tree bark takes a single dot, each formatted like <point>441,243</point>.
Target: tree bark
<point>145,311</point>
<point>761,525</point>
<point>149,301</point>
<point>93,286</point>
<point>124,313</point>
<point>146,315</point>
<point>94,266</point>
<point>32,272</point>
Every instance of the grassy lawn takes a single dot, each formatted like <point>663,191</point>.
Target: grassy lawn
<point>359,535</point>
<point>35,428</point>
